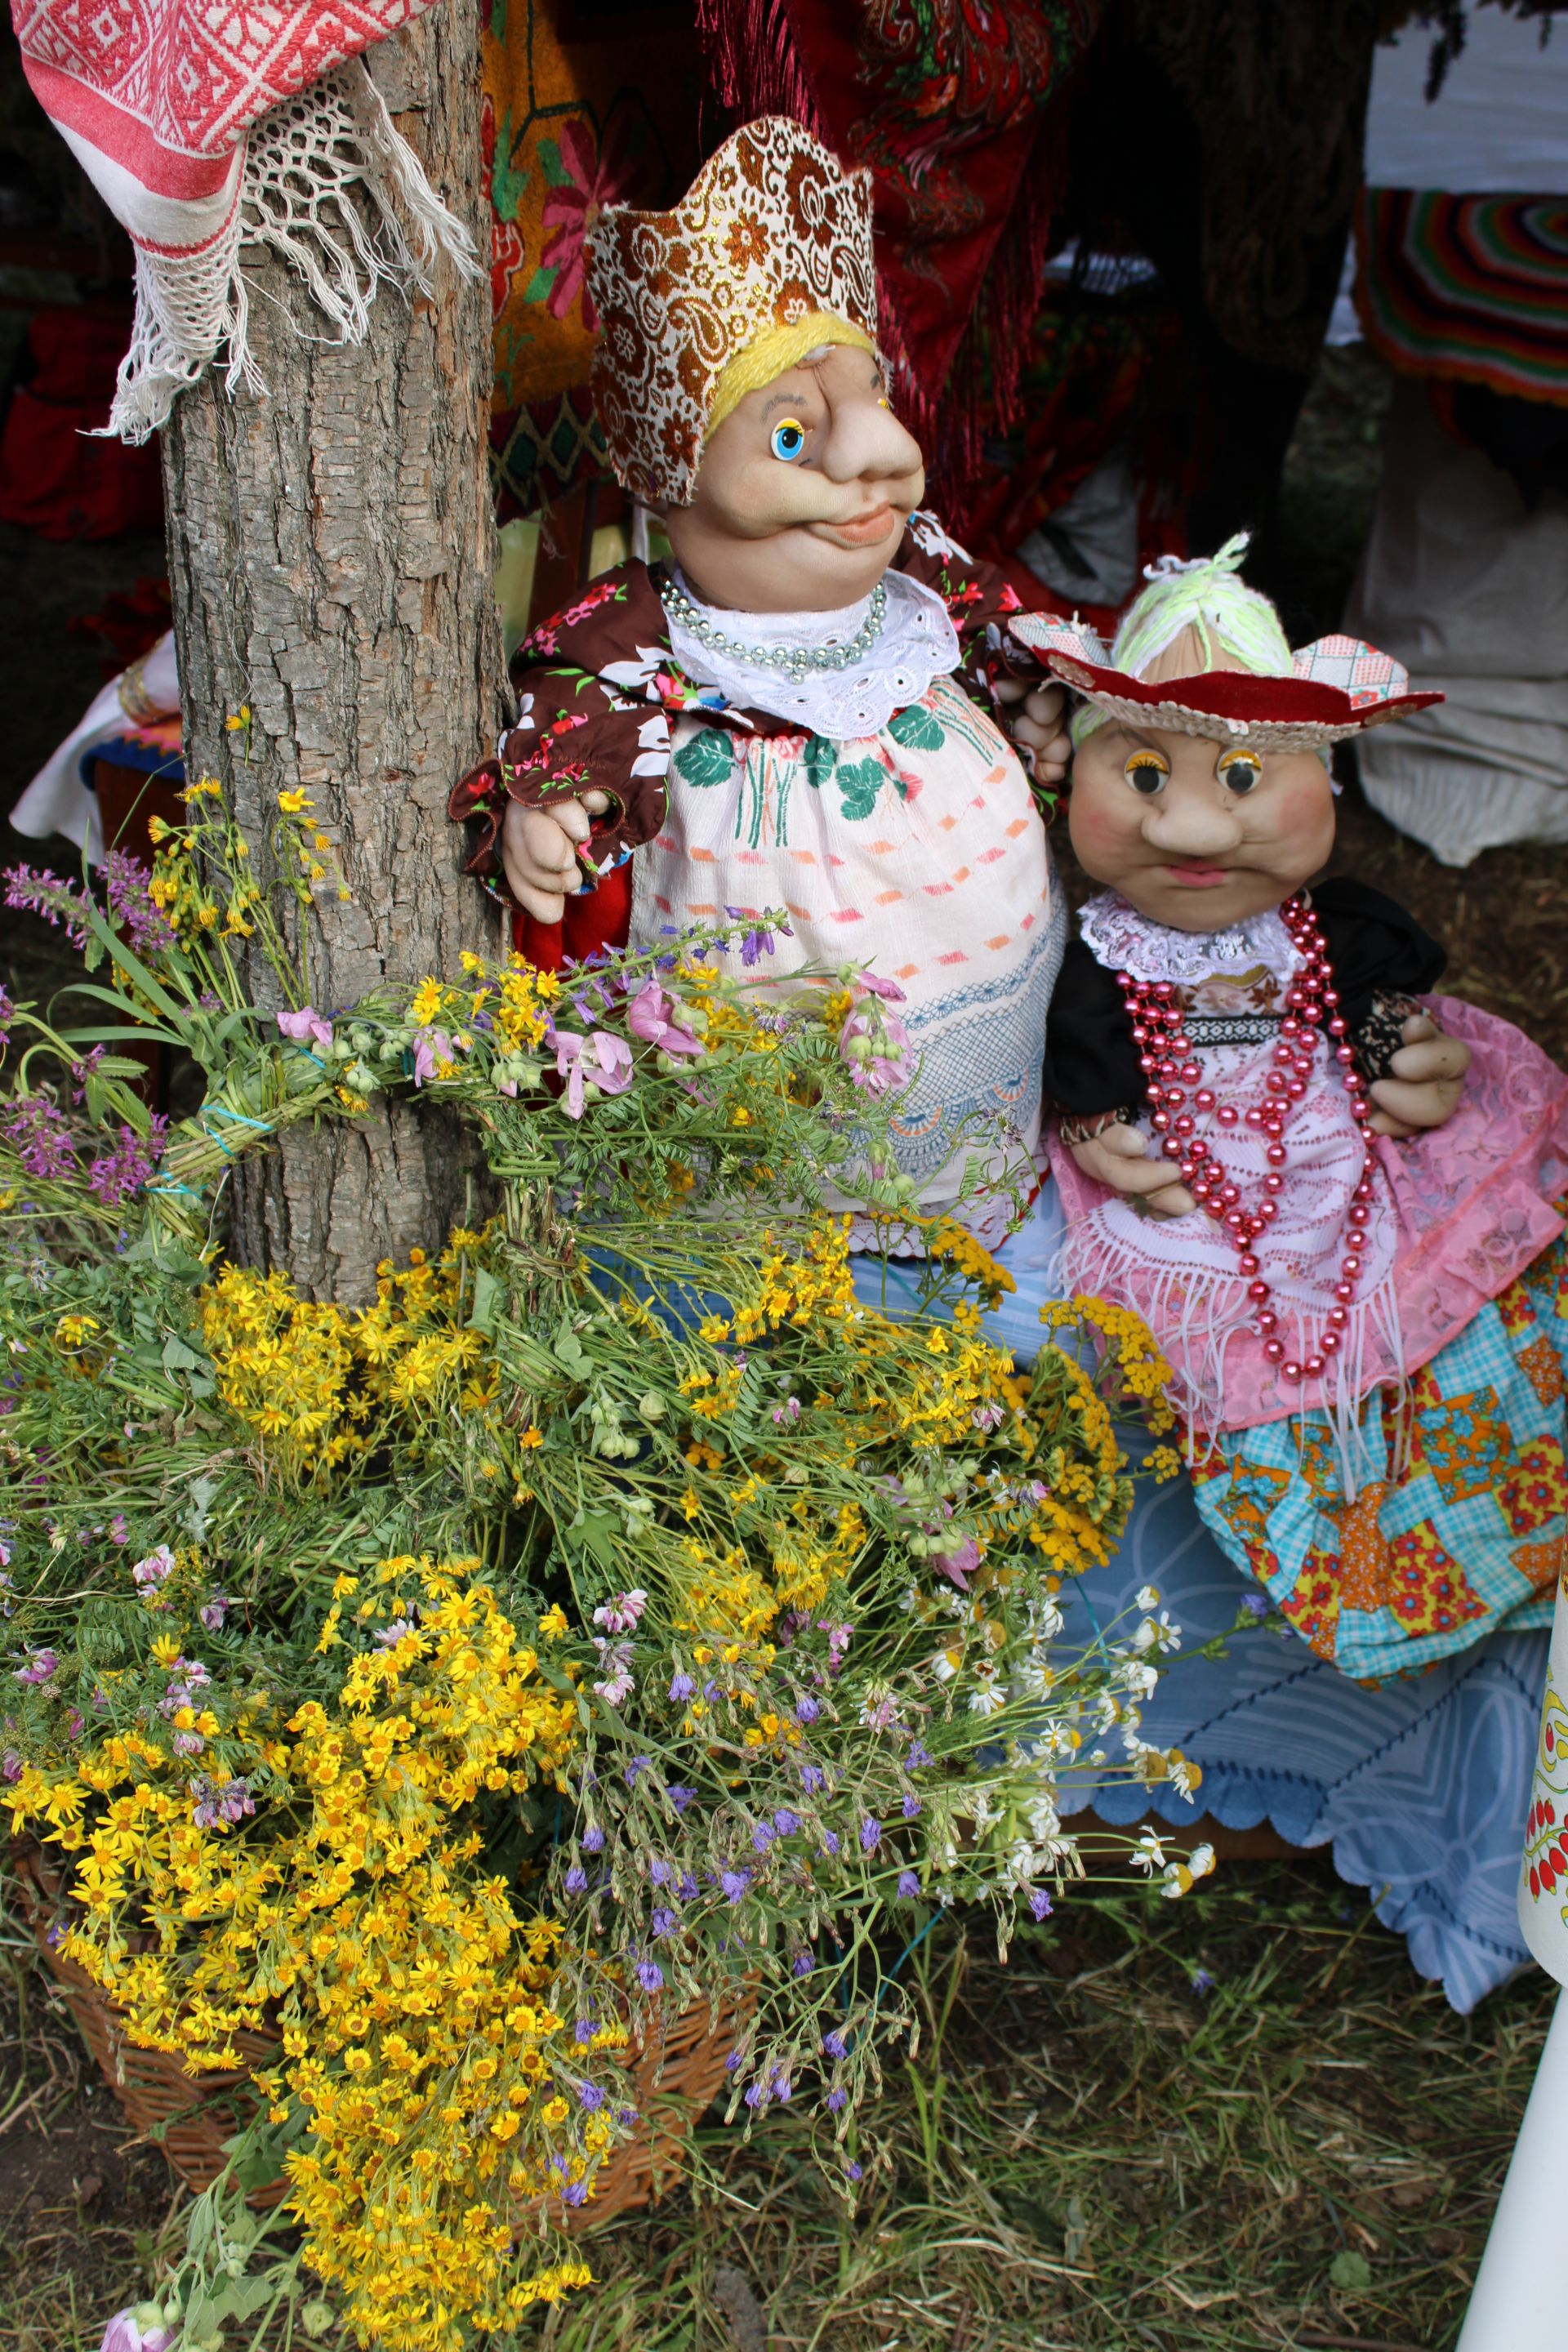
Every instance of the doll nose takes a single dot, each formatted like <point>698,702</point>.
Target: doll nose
<point>866,443</point>
<point>1193,823</point>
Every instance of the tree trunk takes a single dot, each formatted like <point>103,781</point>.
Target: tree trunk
<point>331,548</point>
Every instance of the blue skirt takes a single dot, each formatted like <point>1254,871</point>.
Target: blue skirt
<point>1418,1788</point>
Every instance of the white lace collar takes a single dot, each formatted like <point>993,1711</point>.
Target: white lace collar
<point>1122,940</point>
<point>917,643</point>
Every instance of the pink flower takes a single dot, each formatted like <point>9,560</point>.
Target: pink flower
<point>622,1611</point>
<point>958,1564</point>
<point>600,1061</point>
<point>431,1048</point>
<point>876,1045</point>
<point>595,177</point>
<point>650,1015</point>
<point>874,986</point>
<point>149,1573</point>
<point>306,1026</point>
<point>138,2329</point>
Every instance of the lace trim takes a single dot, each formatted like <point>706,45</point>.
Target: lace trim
<point>1231,1028</point>
<point>1122,940</point>
<point>302,162</point>
<point>918,643</point>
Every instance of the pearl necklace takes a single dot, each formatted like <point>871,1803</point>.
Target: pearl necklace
<point>1165,1051</point>
<point>795,661</point>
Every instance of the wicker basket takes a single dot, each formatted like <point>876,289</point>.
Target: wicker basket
<point>673,2077</point>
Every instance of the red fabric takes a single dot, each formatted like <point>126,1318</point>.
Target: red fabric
<point>598,918</point>
<point>945,104</point>
<point>1238,694</point>
<point>54,479</point>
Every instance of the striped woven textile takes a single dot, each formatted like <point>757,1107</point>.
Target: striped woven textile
<point>1472,289</point>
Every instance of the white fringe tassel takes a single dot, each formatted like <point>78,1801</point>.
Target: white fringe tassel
<point>302,162</point>
<point>1204,1314</point>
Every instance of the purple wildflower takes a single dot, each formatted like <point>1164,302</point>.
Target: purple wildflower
<point>576,1879</point>
<point>812,1779</point>
<point>115,1176</point>
<point>44,893</point>
<point>593,1840</point>
<point>908,1885</point>
<point>590,2097</point>
<point>836,2097</point>
<point>802,1964</point>
<point>228,1802</point>
<point>7,1014</point>
<point>660,1870</point>
<point>574,2192</point>
<point>785,1822</point>
<point>583,2032</point>
<point>11,1765</point>
<point>912,1807</point>
<point>650,1976</point>
<point>834,2044</point>
<point>734,1883</point>
<point>212,1612</point>
<point>763,1836</point>
<point>651,1016</point>
<point>40,1135</point>
<point>132,905</point>
<point>851,2172</point>
<point>870,1834</point>
<point>638,1765</point>
<point>681,1686</point>
<point>1202,1980</point>
<point>807,1710</point>
<point>918,1756</point>
<point>1040,1903</point>
<point>830,1841</point>
<point>687,1888</point>
<point>680,1798</point>
<point>1255,1604</point>
<point>41,1668</point>
<point>664,1921</point>
<point>118,1531</point>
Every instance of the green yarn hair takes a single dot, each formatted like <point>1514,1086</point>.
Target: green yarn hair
<point>1234,625</point>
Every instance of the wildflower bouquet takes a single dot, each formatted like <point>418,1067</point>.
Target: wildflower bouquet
<point>614,1617</point>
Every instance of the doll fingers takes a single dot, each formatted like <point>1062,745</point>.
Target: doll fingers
<point>1413,1104</point>
<point>571,817</point>
<point>1423,1060</point>
<point>1043,706</point>
<point>545,906</point>
<point>1008,689</point>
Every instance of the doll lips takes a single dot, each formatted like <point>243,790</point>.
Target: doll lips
<point>861,531</point>
<point>1196,877</point>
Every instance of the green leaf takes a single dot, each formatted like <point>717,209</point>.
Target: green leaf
<point>498,21</point>
<point>1351,2270</point>
<point>178,1358</point>
<point>706,758</point>
<point>555,171</point>
<point>507,185</point>
<point>540,284</point>
<point>916,730</point>
<point>487,1291</point>
<point>861,785</point>
<point>821,758</point>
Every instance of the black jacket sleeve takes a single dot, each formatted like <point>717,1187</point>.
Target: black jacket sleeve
<point>1374,947</point>
<point>1092,1062</point>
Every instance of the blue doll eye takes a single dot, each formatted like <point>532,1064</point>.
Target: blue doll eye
<point>787,440</point>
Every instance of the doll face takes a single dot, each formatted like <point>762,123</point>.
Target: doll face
<point>802,492</point>
<point>1197,834</point>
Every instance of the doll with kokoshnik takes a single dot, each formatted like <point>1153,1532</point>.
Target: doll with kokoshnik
<point>1335,1198</point>
<point>796,713</point>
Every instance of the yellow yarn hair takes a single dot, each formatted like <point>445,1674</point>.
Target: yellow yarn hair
<point>773,353</point>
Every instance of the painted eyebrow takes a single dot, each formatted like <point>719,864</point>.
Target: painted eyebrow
<point>781,400</point>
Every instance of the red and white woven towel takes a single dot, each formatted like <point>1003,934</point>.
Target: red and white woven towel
<point>204,125</point>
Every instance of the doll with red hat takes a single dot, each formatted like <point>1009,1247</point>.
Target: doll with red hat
<point>1335,1197</point>
<point>797,710</point>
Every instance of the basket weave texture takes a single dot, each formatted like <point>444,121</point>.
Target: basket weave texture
<point>673,2077</point>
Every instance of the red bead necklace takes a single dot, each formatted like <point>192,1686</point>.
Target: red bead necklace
<point>1176,1099</point>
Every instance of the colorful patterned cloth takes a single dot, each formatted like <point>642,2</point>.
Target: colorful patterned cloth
<point>157,102</point>
<point>1465,1531</point>
<point>1544,1878</point>
<point>607,115</point>
<point>1472,289</point>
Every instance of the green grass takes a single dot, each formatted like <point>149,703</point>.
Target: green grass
<point>1091,2156</point>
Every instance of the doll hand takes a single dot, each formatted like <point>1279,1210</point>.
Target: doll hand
<point>1037,727</point>
<point>1118,1157</point>
<point>1427,1081</point>
<point>539,852</point>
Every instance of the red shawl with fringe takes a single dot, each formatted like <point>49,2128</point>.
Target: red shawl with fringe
<point>948,104</point>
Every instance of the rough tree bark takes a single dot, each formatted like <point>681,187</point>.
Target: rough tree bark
<point>331,548</point>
